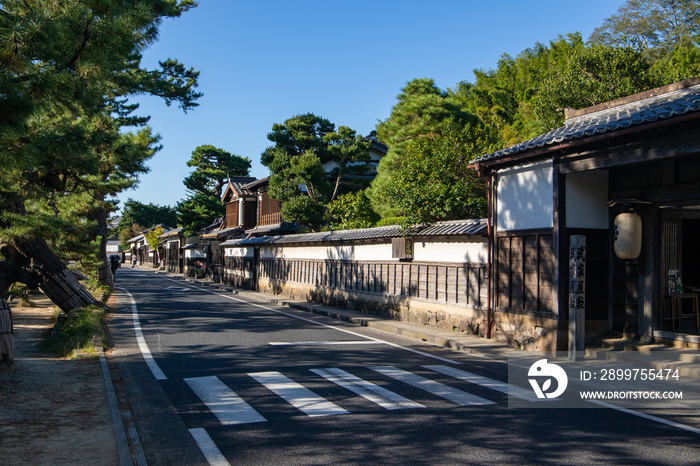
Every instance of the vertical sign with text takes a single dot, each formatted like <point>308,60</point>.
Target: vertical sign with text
<point>577,295</point>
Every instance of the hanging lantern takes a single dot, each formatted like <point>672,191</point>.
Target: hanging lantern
<point>628,235</point>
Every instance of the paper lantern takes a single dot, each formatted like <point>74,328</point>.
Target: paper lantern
<point>628,235</point>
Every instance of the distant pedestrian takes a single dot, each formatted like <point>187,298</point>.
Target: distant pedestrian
<point>114,262</point>
<point>133,261</point>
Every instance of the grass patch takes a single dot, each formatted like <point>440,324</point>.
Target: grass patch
<point>77,334</point>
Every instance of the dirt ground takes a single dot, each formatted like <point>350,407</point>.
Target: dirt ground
<point>52,410</point>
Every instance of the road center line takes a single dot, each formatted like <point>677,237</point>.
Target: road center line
<point>312,343</point>
<point>143,346</point>
<point>428,355</point>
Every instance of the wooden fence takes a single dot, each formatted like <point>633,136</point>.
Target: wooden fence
<point>463,284</point>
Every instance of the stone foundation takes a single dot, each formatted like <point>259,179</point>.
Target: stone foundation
<point>527,332</point>
<point>451,317</point>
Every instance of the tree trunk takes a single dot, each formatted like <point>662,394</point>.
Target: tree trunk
<point>7,345</point>
<point>55,280</point>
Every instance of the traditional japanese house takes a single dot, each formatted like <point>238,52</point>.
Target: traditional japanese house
<point>622,180</point>
<point>269,211</point>
<point>241,206</point>
<point>172,243</point>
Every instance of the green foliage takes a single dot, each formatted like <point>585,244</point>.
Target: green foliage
<point>504,98</point>
<point>212,168</point>
<point>434,181</point>
<point>75,334</point>
<point>127,233</point>
<point>594,75</point>
<point>350,211</point>
<point>308,152</point>
<point>390,221</point>
<point>69,139</point>
<point>420,113</point>
<point>652,26</point>
<point>348,150</point>
<point>305,211</point>
<point>145,215</point>
<point>198,211</point>
<point>152,237</point>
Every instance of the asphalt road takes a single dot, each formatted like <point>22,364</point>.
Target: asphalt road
<point>249,382</point>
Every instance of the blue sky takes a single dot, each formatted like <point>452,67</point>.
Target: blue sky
<point>263,61</point>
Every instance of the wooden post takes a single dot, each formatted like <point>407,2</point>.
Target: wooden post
<point>7,352</point>
<point>577,295</point>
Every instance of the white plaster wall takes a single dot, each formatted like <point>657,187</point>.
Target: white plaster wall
<point>364,252</point>
<point>524,197</point>
<point>586,199</point>
<point>475,251</point>
<point>239,251</point>
<point>194,253</point>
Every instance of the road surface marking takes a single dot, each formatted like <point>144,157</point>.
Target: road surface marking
<point>298,396</point>
<point>374,393</point>
<point>649,417</point>
<point>178,288</point>
<point>436,388</point>
<point>209,449</point>
<point>428,355</point>
<point>503,387</point>
<point>143,346</point>
<point>228,407</point>
<point>312,343</point>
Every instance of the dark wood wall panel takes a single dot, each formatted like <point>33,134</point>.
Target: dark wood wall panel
<point>524,272</point>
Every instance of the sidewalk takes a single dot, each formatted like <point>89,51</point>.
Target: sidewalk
<point>52,410</point>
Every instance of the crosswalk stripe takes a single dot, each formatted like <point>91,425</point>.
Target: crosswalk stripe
<point>228,407</point>
<point>496,385</point>
<point>209,449</point>
<point>297,395</point>
<point>436,388</point>
<point>374,393</point>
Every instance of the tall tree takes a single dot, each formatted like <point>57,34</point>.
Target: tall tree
<point>594,75</point>
<point>421,112</point>
<point>434,181</point>
<point>310,164</point>
<point>147,215</point>
<point>212,169</point>
<point>67,70</point>
<point>654,26</point>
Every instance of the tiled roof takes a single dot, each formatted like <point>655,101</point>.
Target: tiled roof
<point>449,228</point>
<point>636,113</point>
<point>238,184</point>
<point>170,233</point>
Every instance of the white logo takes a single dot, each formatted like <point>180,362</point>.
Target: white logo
<point>542,369</point>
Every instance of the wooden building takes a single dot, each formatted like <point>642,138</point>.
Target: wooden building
<point>638,155</point>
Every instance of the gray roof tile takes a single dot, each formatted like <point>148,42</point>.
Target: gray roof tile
<point>448,228</point>
<point>648,110</point>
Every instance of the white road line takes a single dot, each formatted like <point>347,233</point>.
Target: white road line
<point>647,416</point>
<point>228,407</point>
<point>374,393</point>
<point>428,355</point>
<point>436,388</point>
<point>297,395</point>
<point>503,387</point>
<point>209,449</point>
<point>312,343</point>
<point>143,346</point>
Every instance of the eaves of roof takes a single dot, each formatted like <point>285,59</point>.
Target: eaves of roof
<point>633,114</point>
<point>448,228</point>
